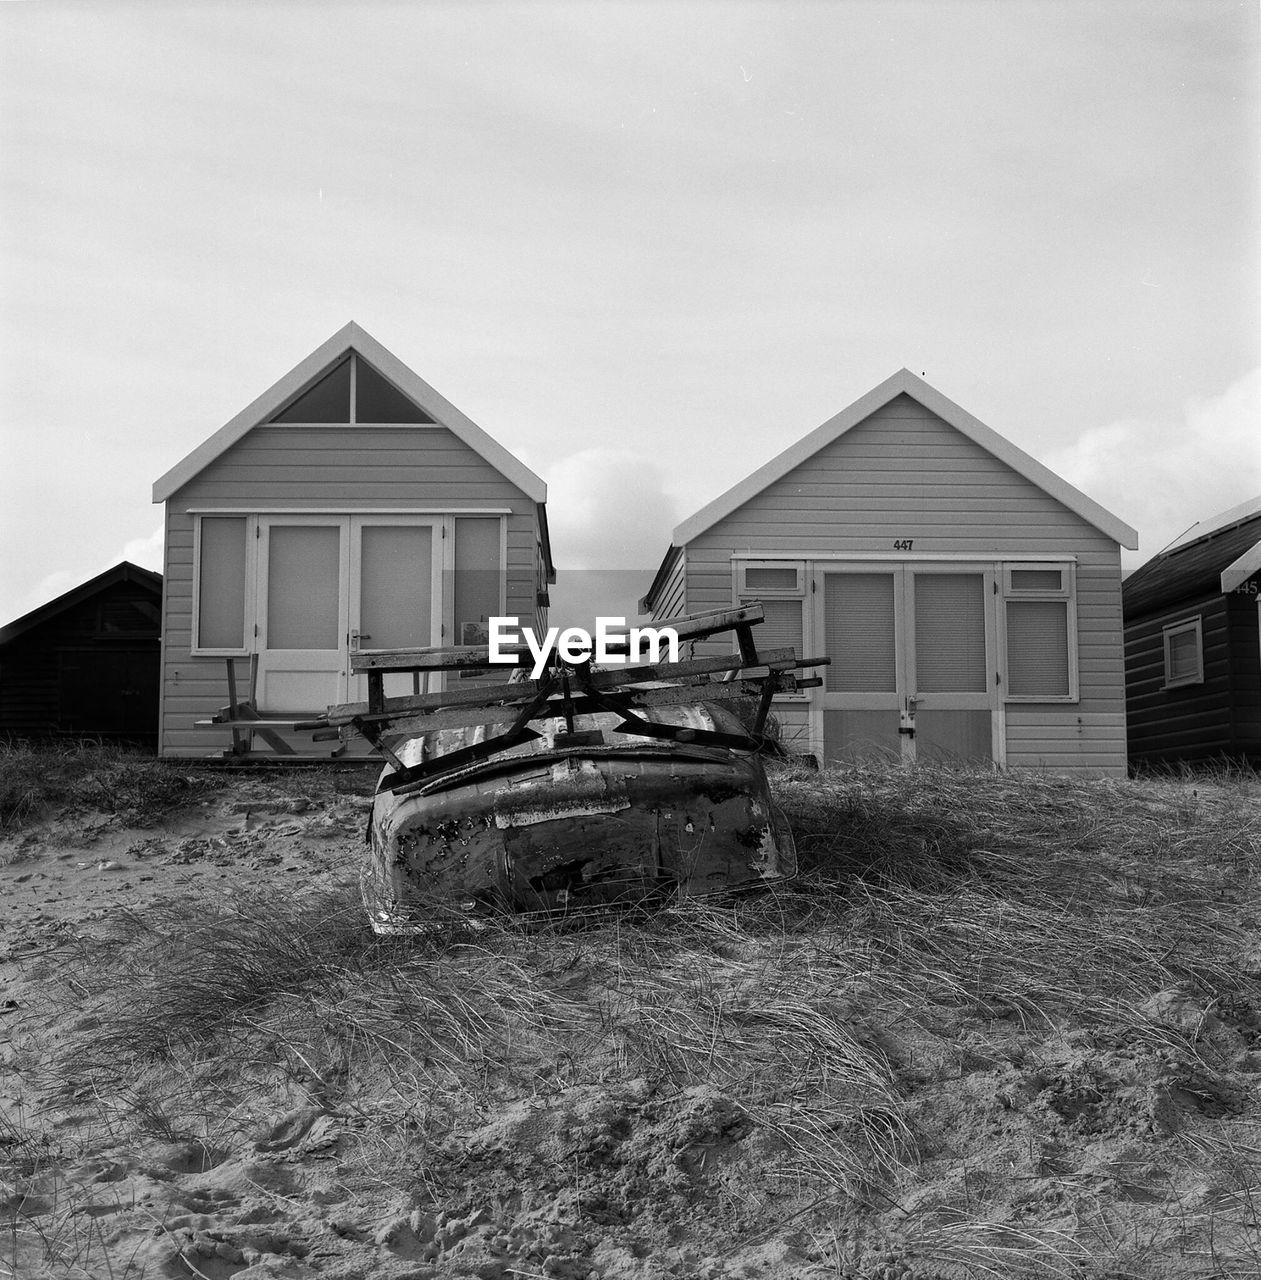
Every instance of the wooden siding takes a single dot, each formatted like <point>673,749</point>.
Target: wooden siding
<point>349,469</point>
<point>1220,717</point>
<point>671,600</point>
<point>906,474</point>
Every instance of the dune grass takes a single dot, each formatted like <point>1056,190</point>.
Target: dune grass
<point>99,777</point>
<point>964,973</point>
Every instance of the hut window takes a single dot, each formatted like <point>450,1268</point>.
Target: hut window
<point>780,587</point>
<point>757,579</point>
<point>781,627</point>
<point>1041,632</point>
<point>351,391</point>
<point>1184,653</point>
<point>220,622</point>
<point>478,578</point>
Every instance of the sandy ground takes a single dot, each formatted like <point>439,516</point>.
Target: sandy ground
<point>1139,1166</point>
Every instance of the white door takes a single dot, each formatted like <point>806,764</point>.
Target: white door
<point>300,615</point>
<point>396,597</point>
<point>327,584</point>
<point>913,662</point>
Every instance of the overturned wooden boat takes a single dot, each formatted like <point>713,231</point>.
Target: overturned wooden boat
<point>585,788</point>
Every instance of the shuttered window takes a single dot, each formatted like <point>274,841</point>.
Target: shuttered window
<point>858,633</point>
<point>221,584</point>
<point>781,627</point>
<point>779,586</point>
<point>1184,653</point>
<point>1040,632</point>
<point>1037,649</point>
<point>478,578</point>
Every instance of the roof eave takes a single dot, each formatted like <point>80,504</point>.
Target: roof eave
<point>1240,570</point>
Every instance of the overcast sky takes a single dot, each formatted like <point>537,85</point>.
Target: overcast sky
<point>645,246</point>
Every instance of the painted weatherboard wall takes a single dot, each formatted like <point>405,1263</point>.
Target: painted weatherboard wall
<point>344,469</point>
<point>1217,717</point>
<point>905,474</point>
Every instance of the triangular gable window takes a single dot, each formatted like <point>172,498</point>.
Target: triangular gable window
<point>326,400</point>
<point>379,401</point>
<point>352,391</point>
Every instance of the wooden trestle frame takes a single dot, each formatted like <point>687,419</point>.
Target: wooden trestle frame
<point>566,690</point>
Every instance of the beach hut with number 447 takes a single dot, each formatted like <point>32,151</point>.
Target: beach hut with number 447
<point>968,598</point>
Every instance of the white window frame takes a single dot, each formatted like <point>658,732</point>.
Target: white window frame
<point>1067,592</point>
<point>1184,625</point>
<point>746,592</point>
<point>743,594</point>
<point>197,649</point>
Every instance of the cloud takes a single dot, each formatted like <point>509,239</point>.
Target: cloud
<point>607,508</point>
<point>610,520</point>
<point>145,552</point>
<point>1163,477</point>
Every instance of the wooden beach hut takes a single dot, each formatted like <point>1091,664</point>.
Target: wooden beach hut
<point>350,506</point>
<point>969,598</point>
<point>1193,645</point>
<point>85,665</point>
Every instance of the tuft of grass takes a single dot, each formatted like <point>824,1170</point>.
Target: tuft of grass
<point>97,777</point>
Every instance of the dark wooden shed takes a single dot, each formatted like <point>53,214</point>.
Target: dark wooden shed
<point>1193,646</point>
<point>86,664</point>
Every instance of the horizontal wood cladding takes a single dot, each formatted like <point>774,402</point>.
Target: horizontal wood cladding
<point>671,601</point>
<point>1065,739</point>
<point>276,466</point>
<point>1220,716</point>
<point>904,473</point>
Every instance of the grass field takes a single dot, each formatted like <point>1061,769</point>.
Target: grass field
<point>1001,1025</point>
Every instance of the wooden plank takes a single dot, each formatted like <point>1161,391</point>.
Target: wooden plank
<point>459,657</point>
<point>669,695</point>
<point>515,694</point>
<point>247,722</point>
<point>240,743</point>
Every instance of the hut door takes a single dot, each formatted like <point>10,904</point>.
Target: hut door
<point>301,613</point>
<point>395,602</point>
<point>328,584</point>
<point>951,693</point>
<point>912,650</point>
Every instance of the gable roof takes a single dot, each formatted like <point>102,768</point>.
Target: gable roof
<point>904,382</point>
<point>349,338</point>
<point>122,572</point>
<point>1225,552</point>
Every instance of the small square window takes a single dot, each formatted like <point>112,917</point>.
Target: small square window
<point>1184,653</point>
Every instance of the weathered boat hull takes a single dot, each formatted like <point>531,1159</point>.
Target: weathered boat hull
<point>552,828</point>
